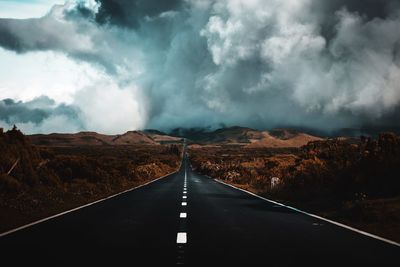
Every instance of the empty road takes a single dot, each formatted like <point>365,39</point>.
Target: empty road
<point>187,218</point>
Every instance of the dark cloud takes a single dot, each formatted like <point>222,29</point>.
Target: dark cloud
<point>323,64</point>
<point>369,8</point>
<point>69,31</point>
<point>129,13</point>
<point>326,11</point>
<point>35,111</point>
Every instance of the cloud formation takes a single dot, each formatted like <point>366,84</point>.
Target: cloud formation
<point>41,112</point>
<point>262,63</point>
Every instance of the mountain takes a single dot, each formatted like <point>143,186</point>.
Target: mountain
<point>96,139</point>
<point>161,137</point>
<point>282,138</point>
<point>225,136</point>
<point>133,137</point>
<point>66,139</point>
<point>248,137</point>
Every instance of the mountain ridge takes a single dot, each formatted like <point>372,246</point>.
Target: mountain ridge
<point>236,135</point>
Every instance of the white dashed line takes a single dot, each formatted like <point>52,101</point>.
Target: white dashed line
<point>184,192</point>
<point>184,197</point>
<point>184,203</point>
<point>181,238</point>
<point>183,215</point>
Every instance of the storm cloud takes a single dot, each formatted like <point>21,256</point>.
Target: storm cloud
<point>325,65</point>
<point>38,113</point>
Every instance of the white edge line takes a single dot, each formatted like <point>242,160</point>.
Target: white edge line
<point>315,216</point>
<point>84,206</point>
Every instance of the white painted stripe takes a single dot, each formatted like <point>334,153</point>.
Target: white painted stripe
<point>184,197</point>
<point>84,206</point>
<point>184,203</point>
<point>183,215</point>
<point>181,238</point>
<point>184,191</point>
<point>316,216</point>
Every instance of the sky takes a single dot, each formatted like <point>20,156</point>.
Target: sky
<point>116,65</point>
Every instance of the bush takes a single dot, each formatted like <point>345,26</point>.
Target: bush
<point>9,184</point>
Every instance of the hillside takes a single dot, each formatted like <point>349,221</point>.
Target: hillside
<point>281,138</point>
<point>96,139</point>
<point>248,137</point>
<point>161,137</point>
<point>132,137</point>
<point>352,181</point>
<point>69,170</point>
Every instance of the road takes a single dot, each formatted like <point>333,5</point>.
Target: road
<point>217,225</point>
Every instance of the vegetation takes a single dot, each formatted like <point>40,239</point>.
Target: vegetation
<point>356,181</point>
<point>39,181</point>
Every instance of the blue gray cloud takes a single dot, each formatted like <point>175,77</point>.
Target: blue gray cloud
<point>264,63</point>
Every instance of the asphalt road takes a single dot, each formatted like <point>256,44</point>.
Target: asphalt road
<point>222,226</point>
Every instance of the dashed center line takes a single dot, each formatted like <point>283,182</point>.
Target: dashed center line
<point>181,238</point>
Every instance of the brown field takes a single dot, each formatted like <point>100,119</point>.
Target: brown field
<point>49,179</point>
<point>352,181</point>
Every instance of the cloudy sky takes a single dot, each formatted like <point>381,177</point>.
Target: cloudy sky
<point>117,65</point>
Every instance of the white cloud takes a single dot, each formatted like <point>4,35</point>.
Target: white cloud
<point>110,109</point>
<point>26,9</point>
<point>356,71</point>
<point>53,124</point>
<point>25,77</point>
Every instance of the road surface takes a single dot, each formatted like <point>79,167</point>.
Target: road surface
<point>187,218</point>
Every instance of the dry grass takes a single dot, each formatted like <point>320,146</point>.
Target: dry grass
<point>49,180</point>
<point>352,181</point>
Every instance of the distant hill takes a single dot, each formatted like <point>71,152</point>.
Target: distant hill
<point>229,136</point>
<point>96,139</point>
<point>282,138</point>
<point>161,137</point>
<point>133,137</point>
<point>248,137</point>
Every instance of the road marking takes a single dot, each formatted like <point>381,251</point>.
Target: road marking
<point>181,238</point>
<point>184,192</point>
<point>184,203</point>
<point>184,197</point>
<point>84,206</point>
<point>183,215</point>
<point>315,216</point>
